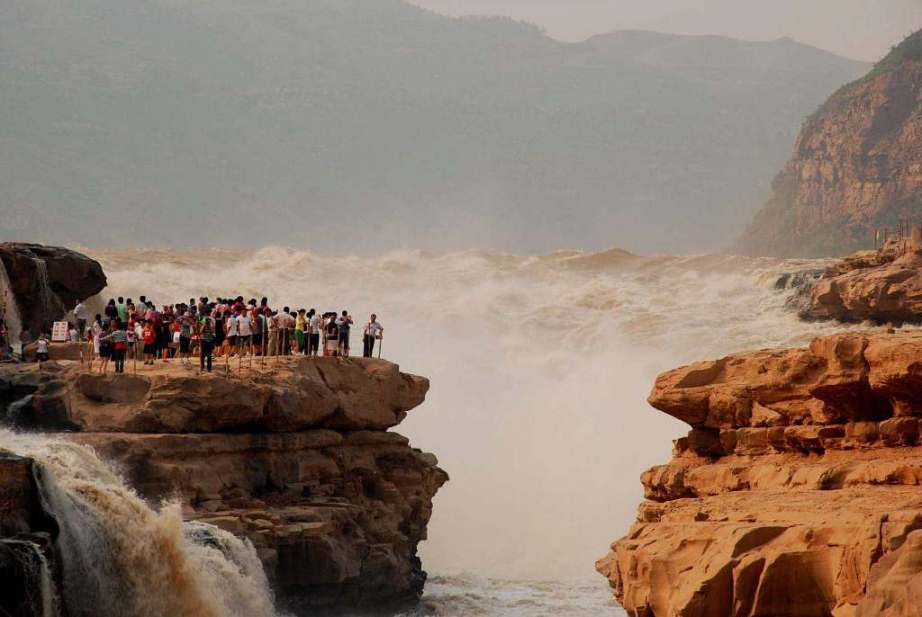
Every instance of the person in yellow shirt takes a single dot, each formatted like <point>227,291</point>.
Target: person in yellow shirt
<point>300,330</point>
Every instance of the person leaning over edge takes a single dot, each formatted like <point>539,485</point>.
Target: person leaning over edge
<point>373,330</point>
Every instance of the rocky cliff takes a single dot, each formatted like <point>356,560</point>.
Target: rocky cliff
<point>44,282</point>
<point>883,286</point>
<point>857,166</point>
<point>294,455</point>
<point>796,491</point>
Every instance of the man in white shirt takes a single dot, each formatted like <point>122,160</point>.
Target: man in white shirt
<point>81,315</point>
<point>373,330</point>
<point>244,332</point>
<point>230,333</point>
<point>314,325</point>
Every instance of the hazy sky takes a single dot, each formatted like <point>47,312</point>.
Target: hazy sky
<point>860,29</point>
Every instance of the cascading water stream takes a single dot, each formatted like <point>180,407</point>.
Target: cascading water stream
<point>34,570</point>
<point>9,310</point>
<point>48,302</point>
<point>121,558</point>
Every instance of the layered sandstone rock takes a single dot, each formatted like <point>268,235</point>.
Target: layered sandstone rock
<point>275,397</point>
<point>48,281</point>
<point>795,492</point>
<point>880,286</point>
<point>857,167</point>
<point>293,454</point>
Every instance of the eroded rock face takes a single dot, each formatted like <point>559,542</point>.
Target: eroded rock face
<point>293,454</point>
<point>795,493</point>
<point>883,286</point>
<point>335,516</point>
<point>48,281</point>
<point>857,167</point>
<point>292,395</point>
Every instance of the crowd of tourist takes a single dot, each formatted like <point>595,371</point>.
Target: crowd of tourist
<point>225,327</point>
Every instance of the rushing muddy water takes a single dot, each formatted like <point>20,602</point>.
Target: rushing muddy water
<point>121,558</point>
<point>540,367</point>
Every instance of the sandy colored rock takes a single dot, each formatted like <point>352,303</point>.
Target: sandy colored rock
<point>294,394</point>
<point>886,289</point>
<point>796,492</point>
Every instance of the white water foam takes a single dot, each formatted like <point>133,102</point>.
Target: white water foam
<point>540,366</point>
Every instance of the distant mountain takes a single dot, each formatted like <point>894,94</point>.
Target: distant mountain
<point>857,166</point>
<point>863,29</point>
<point>363,125</point>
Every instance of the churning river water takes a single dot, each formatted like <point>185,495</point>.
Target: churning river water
<point>540,367</point>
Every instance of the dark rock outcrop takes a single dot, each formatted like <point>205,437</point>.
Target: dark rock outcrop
<point>857,167</point>
<point>26,542</point>
<point>48,281</point>
<point>796,492</point>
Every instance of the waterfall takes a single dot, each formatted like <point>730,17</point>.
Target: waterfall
<point>49,305</point>
<point>40,599</point>
<point>9,310</point>
<point>122,558</point>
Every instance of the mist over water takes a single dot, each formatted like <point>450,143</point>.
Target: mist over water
<point>540,367</point>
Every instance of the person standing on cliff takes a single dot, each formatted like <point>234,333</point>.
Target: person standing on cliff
<point>111,312</point>
<point>373,331</point>
<point>331,338</point>
<point>149,337</point>
<point>300,331</point>
<point>118,345</point>
<point>286,328</point>
<point>230,333</point>
<point>273,333</point>
<point>313,337</point>
<point>41,349</point>
<point>244,332</point>
<point>207,343</point>
<point>81,314</point>
<point>121,310</point>
<point>345,325</point>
